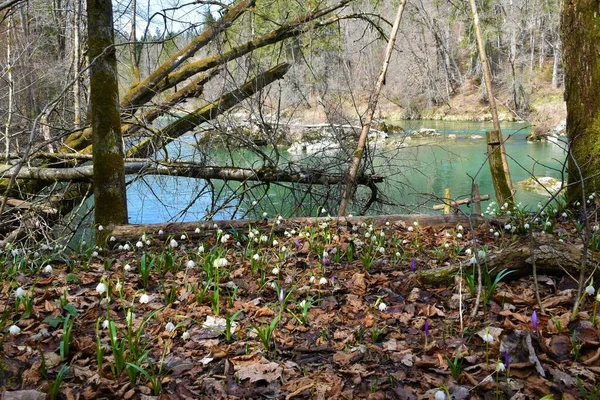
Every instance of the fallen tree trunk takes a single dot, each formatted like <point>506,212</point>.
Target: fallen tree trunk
<point>193,89</point>
<point>186,169</point>
<point>172,72</point>
<point>190,121</point>
<point>134,232</point>
<point>552,257</point>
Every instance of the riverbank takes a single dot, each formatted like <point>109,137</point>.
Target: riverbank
<point>546,109</point>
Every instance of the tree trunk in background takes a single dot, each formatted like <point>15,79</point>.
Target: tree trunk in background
<point>135,67</point>
<point>76,64</point>
<point>109,172</point>
<point>496,153</point>
<point>580,30</point>
<point>9,78</point>
<point>362,140</point>
<point>556,65</point>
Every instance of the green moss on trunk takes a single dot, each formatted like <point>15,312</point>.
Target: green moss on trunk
<point>109,169</point>
<point>580,32</point>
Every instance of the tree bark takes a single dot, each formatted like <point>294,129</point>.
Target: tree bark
<point>193,89</point>
<point>186,169</point>
<point>76,64</point>
<point>9,77</point>
<point>190,121</point>
<point>130,232</point>
<point>169,77</point>
<point>133,52</point>
<point>580,30</point>
<point>555,64</point>
<point>552,257</point>
<point>109,172</point>
<point>139,94</point>
<point>496,153</point>
<point>362,140</point>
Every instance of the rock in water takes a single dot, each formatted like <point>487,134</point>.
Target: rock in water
<point>543,185</point>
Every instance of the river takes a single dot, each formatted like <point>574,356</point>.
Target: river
<point>417,174</point>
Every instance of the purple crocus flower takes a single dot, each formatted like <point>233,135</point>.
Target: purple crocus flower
<point>325,260</point>
<point>297,244</point>
<point>413,264</point>
<point>426,327</point>
<point>506,359</point>
<point>332,280</point>
<point>534,321</point>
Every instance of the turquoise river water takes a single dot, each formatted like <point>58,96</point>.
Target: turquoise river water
<point>416,175</point>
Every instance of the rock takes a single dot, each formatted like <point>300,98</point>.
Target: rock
<point>476,137</point>
<point>23,395</point>
<point>560,129</point>
<point>424,132</point>
<point>543,185</point>
<point>452,136</point>
<point>387,128</point>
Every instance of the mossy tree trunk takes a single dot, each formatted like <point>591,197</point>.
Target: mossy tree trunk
<point>109,172</point>
<point>580,32</point>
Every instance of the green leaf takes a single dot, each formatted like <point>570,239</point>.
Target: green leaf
<point>54,321</point>
<point>71,309</point>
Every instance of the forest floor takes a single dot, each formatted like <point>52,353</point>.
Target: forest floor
<point>316,313</point>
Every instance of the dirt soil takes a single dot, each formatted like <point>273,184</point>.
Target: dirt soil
<point>317,313</point>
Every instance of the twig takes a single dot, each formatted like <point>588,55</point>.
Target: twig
<point>299,391</point>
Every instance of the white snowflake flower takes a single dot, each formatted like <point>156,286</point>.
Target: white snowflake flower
<point>173,243</point>
<point>14,330</point>
<point>590,290</point>
<point>190,264</point>
<point>488,338</point>
<point>144,299</point>
<point>500,367</point>
<point>48,269</point>
<point>169,327</point>
<point>101,288</point>
<point>382,306</point>
<point>20,293</point>
<point>275,271</point>
<point>220,263</point>
<point>323,281</point>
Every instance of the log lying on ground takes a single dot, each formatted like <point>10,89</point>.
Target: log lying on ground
<point>187,169</point>
<point>552,257</point>
<point>134,232</point>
